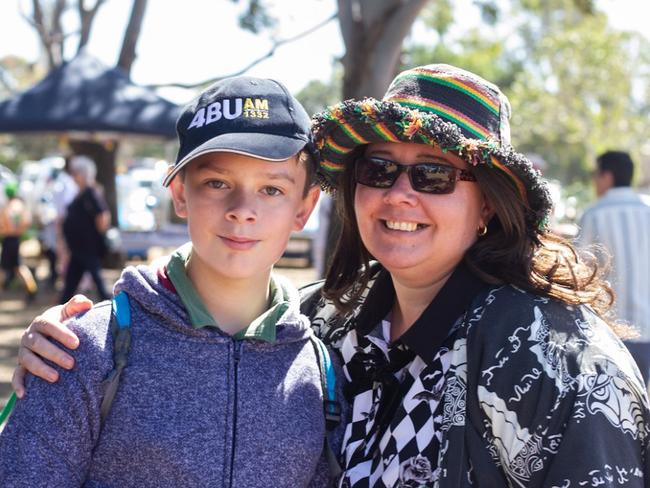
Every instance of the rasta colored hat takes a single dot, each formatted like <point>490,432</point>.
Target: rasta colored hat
<point>255,117</point>
<point>438,105</point>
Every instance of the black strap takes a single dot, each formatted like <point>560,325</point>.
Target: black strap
<point>121,332</point>
<point>331,406</point>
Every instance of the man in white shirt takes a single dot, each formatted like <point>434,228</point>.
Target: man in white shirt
<point>620,221</point>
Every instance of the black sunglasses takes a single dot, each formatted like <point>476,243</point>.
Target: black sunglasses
<point>427,177</point>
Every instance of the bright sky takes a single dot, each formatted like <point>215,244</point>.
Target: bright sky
<point>194,40</point>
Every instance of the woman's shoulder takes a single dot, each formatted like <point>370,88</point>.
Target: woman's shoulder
<point>549,331</point>
<point>549,379</point>
<point>509,305</point>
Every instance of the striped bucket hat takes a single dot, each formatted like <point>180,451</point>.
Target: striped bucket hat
<point>438,105</point>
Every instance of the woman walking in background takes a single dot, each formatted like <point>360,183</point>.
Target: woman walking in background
<point>86,221</point>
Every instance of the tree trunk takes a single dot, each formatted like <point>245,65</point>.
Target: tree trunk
<point>39,23</point>
<point>131,35</point>
<point>373,32</point>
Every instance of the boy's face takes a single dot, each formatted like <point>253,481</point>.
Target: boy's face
<point>240,212</point>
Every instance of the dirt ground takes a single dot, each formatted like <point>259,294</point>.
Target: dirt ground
<point>15,315</point>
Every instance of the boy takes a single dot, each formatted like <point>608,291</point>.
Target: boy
<point>222,386</point>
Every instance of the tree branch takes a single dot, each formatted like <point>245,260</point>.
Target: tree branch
<point>131,35</point>
<point>271,52</point>
<point>36,20</point>
<point>86,18</point>
<point>56,32</point>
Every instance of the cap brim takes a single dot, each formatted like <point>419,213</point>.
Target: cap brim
<point>270,147</point>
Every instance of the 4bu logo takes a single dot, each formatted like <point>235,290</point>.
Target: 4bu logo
<point>231,109</point>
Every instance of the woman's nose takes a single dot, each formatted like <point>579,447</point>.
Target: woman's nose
<point>401,192</point>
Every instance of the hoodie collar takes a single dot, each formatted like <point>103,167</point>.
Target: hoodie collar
<point>263,328</point>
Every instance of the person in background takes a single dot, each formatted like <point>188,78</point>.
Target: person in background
<point>60,190</point>
<point>473,340</point>
<point>84,227</point>
<point>620,222</point>
<point>15,219</point>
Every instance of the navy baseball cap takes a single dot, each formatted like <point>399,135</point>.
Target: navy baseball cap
<point>251,116</point>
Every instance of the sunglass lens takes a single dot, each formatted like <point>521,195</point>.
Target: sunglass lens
<point>433,178</point>
<point>375,172</point>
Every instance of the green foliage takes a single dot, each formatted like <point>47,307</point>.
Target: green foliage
<point>439,15</point>
<point>14,149</point>
<point>577,87</point>
<point>490,11</point>
<point>575,98</point>
<point>560,7</point>
<point>17,74</point>
<point>256,17</point>
<point>474,52</point>
<point>317,95</point>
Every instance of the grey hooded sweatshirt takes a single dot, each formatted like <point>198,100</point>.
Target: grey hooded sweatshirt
<point>194,406</point>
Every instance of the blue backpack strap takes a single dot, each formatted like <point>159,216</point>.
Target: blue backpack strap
<point>121,332</point>
<point>331,406</point>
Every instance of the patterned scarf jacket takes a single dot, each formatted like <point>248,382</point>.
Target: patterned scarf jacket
<point>491,387</point>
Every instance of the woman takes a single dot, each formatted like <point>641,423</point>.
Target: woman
<point>472,339</point>
<point>84,227</point>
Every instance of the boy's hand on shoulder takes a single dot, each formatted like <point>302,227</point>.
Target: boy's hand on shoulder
<point>36,345</point>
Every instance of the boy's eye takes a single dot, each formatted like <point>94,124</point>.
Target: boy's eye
<point>272,191</point>
<point>216,184</point>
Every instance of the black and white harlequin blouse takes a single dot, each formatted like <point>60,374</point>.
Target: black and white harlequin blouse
<point>491,387</point>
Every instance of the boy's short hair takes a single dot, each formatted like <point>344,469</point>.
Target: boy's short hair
<point>255,117</point>
<point>309,160</point>
<point>620,164</point>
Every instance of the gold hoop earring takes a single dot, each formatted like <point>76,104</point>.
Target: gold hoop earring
<point>482,231</point>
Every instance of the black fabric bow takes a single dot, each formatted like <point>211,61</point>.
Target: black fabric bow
<point>369,369</point>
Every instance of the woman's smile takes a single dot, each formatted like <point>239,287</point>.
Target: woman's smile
<point>403,226</point>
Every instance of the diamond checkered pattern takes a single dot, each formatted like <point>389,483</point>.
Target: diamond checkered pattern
<point>377,455</point>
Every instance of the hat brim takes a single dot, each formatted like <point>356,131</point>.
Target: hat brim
<point>343,127</point>
<point>269,147</point>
